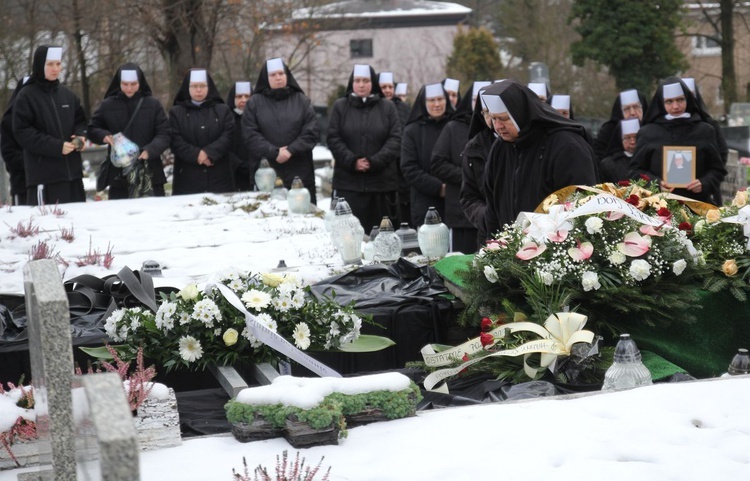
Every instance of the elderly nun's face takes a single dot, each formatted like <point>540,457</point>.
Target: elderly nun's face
<point>629,142</point>
<point>198,91</point>
<point>453,96</point>
<point>504,126</point>
<point>129,88</point>
<point>52,69</point>
<point>240,100</point>
<point>387,90</point>
<point>632,111</point>
<point>362,86</point>
<point>435,106</point>
<point>277,79</point>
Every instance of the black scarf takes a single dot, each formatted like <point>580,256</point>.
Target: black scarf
<point>37,70</point>
<point>262,87</point>
<point>478,124</point>
<point>656,109</point>
<point>376,91</point>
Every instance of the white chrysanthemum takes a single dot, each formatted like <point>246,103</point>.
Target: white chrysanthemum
<point>491,274</point>
<point>217,331</point>
<point>298,300</point>
<point>590,280</point>
<point>617,258</point>
<point>679,267</point>
<point>255,299</point>
<point>301,336</point>
<point>190,348</point>
<point>290,279</point>
<point>282,303</point>
<point>267,321</point>
<point>236,285</point>
<point>206,311</point>
<point>111,324</point>
<point>640,269</point>
<point>184,318</point>
<point>167,309</point>
<point>594,225</point>
<point>546,277</point>
<point>286,289</point>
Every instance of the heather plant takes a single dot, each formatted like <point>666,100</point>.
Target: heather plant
<point>25,230</point>
<point>285,471</point>
<point>95,257</point>
<point>42,250</point>
<point>68,235</point>
<point>24,427</point>
<point>138,382</point>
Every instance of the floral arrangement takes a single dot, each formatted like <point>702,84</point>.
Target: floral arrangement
<point>628,256</point>
<point>193,328</point>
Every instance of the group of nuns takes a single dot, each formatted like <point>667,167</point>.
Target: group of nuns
<point>216,145</point>
<point>479,158</point>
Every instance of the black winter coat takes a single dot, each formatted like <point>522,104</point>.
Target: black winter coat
<point>244,169</point>
<point>368,129</point>
<point>709,168</point>
<point>277,118</point>
<point>149,130</point>
<point>206,127</point>
<point>520,175</point>
<point>12,152</point>
<point>446,166</point>
<point>473,196</point>
<point>416,151</point>
<point>615,167</point>
<point>44,117</point>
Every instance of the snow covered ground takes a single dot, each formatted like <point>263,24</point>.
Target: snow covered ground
<point>687,431</point>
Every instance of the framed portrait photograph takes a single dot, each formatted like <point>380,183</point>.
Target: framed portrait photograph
<point>678,165</point>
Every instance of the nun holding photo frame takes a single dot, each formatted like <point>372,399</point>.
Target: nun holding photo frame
<point>678,165</point>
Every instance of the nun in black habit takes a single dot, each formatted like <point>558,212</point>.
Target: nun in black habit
<point>130,103</point>
<point>541,152</point>
<point>202,126</point>
<point>608,141</point>
<point>473,161</point>
<point>422,130</point>
<point>674,118</point>
<point>49,125</point>
<point>12,152</point>
<point>243,166</point>
<point>446,166</point>
<point>364,135</point>
<point>279,124</point>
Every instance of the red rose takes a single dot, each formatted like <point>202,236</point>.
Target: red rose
<point>486,324</point>
<point>664,212</point>
<point>685,226</point>
<point>624,183</point>
<point>644,177</point>
<point>486,339</point>
<point>633,200</point>
<point>466,357</point>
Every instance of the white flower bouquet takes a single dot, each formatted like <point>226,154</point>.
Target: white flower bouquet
<point>193,329</point>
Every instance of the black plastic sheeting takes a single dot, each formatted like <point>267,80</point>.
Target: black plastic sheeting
<point>406,305</point>
<point>379,287</point>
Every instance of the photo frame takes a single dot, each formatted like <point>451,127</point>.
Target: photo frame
<point>678,165</point>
